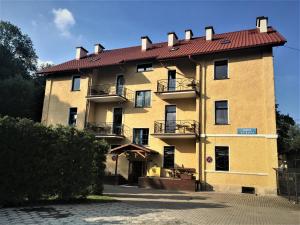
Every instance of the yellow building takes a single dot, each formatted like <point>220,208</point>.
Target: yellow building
<point>202,104</point>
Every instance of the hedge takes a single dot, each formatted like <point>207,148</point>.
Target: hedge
<point>38,162</point>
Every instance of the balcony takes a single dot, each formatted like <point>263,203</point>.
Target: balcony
<point>177,88</point>
<point>108,93</point>
<point>176,129</point>
<point>106,130</point>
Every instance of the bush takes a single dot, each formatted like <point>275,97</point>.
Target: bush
<point>38,162</point>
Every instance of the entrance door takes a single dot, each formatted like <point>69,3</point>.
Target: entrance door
<point>170,119</point>
<point>120,85</point>
<point>172,80</point>
<point>136,171</point>
<point>117,121</point>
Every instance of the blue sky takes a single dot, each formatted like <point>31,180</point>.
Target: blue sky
<point>57,27</point>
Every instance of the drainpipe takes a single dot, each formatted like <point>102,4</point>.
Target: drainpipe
<point>199,117</point>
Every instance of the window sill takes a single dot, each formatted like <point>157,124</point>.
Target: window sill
<point>145,71</point>
<point>75,90</point>
<point>138,107</point>
<point>227,78</point>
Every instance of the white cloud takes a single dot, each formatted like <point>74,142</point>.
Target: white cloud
<point>63,20</point>
<point>44,62</point>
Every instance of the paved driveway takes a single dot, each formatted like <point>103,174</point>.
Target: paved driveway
<point>144,206</point>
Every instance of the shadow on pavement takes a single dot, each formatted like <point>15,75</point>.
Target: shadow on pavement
<point>149,196</point>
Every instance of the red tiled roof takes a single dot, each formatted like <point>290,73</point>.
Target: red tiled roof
<point>197,46</point>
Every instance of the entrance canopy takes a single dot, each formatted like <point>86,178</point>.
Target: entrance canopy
<point>133,148</point>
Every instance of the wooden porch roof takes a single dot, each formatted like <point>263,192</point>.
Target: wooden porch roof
<point>133,148</point>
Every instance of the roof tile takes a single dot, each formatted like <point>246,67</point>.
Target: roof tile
<point>196,46</point>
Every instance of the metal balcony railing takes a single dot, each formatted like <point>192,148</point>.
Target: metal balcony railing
<point>108,90</point>
<point>179,84</point>
<point>105,129</point>
<point>176,127</point>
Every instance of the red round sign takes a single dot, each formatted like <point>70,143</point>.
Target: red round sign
<point>209,159</point>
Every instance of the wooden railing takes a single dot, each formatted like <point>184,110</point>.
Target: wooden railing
<point>176,127</point>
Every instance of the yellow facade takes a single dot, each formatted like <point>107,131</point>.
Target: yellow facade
<point>249,91</point>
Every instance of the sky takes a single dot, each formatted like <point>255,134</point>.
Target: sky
<point>57,27</point>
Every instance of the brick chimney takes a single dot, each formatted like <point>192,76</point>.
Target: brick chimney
<point>209,33</point>
<point>172,39</point>
<point>262,24</point>
<point>80,52</point>
<point>98,48</point>
<point>188,34</point>
<point>146,43</point>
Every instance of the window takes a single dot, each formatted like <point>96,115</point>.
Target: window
<point>144,67</point>
<point>222,158</point>
<point>76,83</point>
<point>221,112</point>
<point>169,157</point>
<point>140,136</point>
<point>142,99</point>
<point>72,116</point>
<point>170,119</point>
<point>221,70</point>
<point>171,80</point>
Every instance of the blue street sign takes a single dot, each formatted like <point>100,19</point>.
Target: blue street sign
<point>247,131</point>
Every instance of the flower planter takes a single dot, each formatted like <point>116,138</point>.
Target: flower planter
<point>186,176</point>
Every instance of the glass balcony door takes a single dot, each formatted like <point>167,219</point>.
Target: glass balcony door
<point>170,119</point>
<point>117,121</point>
<point>172,80</point>
<point>120,85</point>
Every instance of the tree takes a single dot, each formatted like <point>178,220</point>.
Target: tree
<point>17,98</point>
<point>38,162</point>
<point>21,90</point>
<point>283,123</point>
<point>288,138</point>
<point>17,57</point>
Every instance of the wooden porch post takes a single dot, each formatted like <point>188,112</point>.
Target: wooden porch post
<point>116,171</point>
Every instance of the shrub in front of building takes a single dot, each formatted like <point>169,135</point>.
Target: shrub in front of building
<point>38,162</point>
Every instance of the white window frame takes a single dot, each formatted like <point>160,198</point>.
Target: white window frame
<point>221,59</point>
<point>229,158</point>
<point>214,112</point>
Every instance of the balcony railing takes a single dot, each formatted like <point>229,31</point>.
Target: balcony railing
<point>179,84</point>
<point>102,90</point>
<point>176,127</point>
<point>104,129</point>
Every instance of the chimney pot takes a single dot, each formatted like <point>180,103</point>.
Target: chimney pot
<point>81,52</point>
<point>146,43</point>
<point>209,33</point>
<point>188,34</point>
<point>98,48</point>
<point>172,39</point>
<point>262,24</point>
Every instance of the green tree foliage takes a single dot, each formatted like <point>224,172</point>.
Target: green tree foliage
<point>284,124</point>
<point>18,98</point>
<point>18,57</point>
<point>21,90</point>
<point>38,162</point>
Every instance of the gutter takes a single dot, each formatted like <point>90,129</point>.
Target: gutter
<point>199,116</point>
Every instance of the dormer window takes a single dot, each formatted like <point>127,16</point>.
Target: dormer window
<point>144,67</point>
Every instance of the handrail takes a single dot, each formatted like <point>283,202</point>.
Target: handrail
<point>178,84</point>
<point>105,128</point>
<point>176,127</point>
<point>108,90</point>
